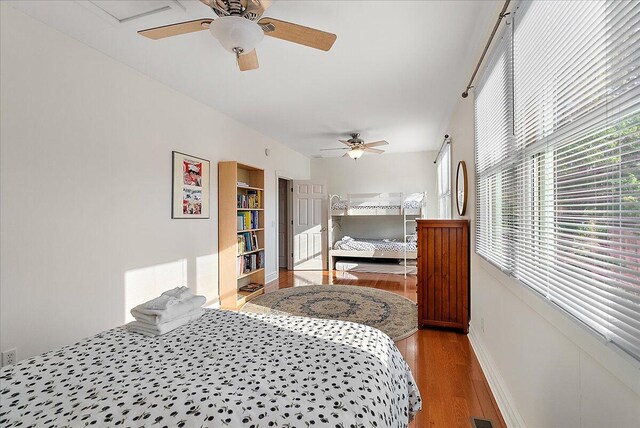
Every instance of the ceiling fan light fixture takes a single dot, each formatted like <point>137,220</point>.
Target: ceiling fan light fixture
<point>355,153</point>
<point>236,33</point>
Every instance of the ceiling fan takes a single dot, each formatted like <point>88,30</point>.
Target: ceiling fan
<point>239,27</point>
<point>357,147</point>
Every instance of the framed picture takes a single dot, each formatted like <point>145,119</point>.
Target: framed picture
<point>190,187</point>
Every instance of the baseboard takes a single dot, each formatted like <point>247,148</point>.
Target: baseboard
<point>213,304</point>
<point>271,277</point>
<point>498,387</point>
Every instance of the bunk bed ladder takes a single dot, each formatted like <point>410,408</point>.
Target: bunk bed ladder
<point>330,227</point>
<point>423,209</point>
<point>406,220</point>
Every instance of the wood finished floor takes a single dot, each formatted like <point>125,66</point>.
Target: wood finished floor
<point>449,377</point>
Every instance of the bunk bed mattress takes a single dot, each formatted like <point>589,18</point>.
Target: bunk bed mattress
<point>225,369</point>
<point>412,202</point>
<point>361,244</point>
<point>342,205</point>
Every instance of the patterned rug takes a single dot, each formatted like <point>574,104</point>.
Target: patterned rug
<point>395,315</point>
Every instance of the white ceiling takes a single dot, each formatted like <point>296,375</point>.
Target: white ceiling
<point>395,72</point>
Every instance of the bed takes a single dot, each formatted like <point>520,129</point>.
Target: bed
<point>225,369</point>
<point>375,266</point>
<point>381,248</point>
<point>359,204</point>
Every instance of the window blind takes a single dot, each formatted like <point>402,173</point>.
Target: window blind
<point>557,115</point>
<point>495,156</point>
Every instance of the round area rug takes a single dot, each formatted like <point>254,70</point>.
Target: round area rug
<point>395,315</point>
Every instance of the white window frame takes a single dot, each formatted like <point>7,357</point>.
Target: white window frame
<point>443,174</point>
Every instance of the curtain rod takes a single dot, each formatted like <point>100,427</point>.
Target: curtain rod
<point>503,13</point>
<point>446,141</point>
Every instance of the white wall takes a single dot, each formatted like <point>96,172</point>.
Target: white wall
<point>387,173</point>
<point>86,187</point>
<point>545,369</point>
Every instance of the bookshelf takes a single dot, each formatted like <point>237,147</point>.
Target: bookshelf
<point>241,245</point>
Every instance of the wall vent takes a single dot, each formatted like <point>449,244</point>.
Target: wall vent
<point>481,423</point>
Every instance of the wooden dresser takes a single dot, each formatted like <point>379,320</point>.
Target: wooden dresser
<point>443,274</point>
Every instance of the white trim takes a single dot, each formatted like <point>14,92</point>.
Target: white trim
<point>213,305</point>
<point>497,385</point>
<point>282,175</point>
<point>271,277</point>
<point>180,5</point>
<point>290,225</point>
<point>173,7</point>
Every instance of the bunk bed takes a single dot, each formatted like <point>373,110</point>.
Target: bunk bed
<point>349,253</point>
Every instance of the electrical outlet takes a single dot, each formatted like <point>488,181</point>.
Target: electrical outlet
<point>9,357</point>
<point>482,324</point>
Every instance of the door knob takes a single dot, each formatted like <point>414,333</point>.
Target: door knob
<point>323,229</point>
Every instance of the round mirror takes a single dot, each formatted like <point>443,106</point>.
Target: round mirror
<point>461,188</point>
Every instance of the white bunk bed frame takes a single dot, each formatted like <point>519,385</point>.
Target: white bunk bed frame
<point>374,204</point>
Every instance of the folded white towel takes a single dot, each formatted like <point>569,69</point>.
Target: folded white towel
<point>159,329</point>
<point>179,308</point>
<point>160,303</point>
<point>180,293</point>
<point>168,298</point>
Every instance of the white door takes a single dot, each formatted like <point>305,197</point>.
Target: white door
<point>309,231</point>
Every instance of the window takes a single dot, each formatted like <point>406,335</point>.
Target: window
<point>443,167</point>
<point>557,116</point>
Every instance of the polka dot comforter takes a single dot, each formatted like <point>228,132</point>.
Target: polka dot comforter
<point>363,244</point>
<point>226,369</point>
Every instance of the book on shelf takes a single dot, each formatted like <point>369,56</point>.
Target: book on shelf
<point>247,241</point>
<point>247,220</point>
<point>250,288</point>
<point>253,199</point>
<point>250,262</point>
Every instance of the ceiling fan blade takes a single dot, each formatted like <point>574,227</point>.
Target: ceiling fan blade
<point>248,61</point>
<point>376,144</point>
<point>368,150</point>
<point>176,29</point>
<point>345,143</point>
<point>297,33</point>
<point>339,148</point>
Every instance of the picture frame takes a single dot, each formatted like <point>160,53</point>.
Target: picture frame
<point>191,188</point>
<point>462,188</point>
